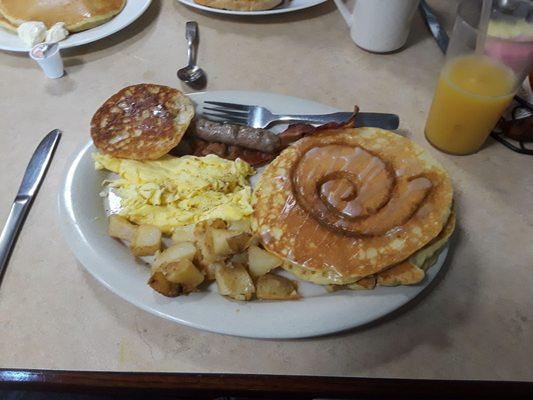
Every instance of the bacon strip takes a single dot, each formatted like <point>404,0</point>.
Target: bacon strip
<point>297,131</point>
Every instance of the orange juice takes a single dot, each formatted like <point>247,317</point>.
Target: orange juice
<point>472,92</point>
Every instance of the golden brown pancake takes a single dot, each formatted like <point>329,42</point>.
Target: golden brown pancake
<point>412,271</point>
<point>408,272</point>
<point>241,5</point>
<point>78,15</point>
<point>367,283</point>
<point>403,273</point>
<point>350,203</point>
<point>141,122</point>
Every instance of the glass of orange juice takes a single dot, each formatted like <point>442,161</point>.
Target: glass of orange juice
<point>476,86</point>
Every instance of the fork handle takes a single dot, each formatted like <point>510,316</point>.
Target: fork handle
<point>338,117</point>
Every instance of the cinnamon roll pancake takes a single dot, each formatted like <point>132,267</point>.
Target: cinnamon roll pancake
<point>347,204</point>
<point>78,15</point>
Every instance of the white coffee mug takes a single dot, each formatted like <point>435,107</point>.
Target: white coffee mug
<point>379,26</point>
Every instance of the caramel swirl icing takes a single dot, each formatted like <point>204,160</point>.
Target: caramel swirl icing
<point>353,191</point>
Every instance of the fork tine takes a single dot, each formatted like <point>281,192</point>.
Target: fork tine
<point>222,117</point>
<point>239,114</point>
<point>233,106</point>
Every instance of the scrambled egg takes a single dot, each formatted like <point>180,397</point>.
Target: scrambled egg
<point>173,191</point>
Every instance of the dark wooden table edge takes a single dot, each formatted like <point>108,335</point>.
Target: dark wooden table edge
<point>241,385</point>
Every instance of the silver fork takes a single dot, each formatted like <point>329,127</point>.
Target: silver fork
<point>261,117</point>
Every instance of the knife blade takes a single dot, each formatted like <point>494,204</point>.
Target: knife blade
<point>31,181</point>
<point>373,120</point>
<point>434,26</point>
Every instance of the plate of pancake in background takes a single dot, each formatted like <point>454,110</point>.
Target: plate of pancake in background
<point>360,217</point>
<point>251,7</point>
<point>86,21</point>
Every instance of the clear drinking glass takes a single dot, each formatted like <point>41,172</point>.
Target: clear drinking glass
<point>475,87</point>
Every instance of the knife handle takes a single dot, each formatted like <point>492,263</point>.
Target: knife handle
<point>10,231</point>
<point>377,120</point>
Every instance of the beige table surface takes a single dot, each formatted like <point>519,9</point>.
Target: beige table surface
<point>475,324</point>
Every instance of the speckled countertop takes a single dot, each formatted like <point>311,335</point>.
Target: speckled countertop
<point>477,323</point>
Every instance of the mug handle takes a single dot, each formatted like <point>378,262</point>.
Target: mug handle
<point>346,14</point>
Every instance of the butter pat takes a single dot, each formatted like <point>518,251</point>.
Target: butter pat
<point>56,33</point>
<point>32,32</point>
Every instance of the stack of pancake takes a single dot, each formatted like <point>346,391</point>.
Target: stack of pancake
<point>78,15</point>
<point>355,208</point>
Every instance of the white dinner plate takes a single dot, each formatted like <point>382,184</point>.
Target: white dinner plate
<point>285,7</point>
<point>84,225</point>
<point>132,10</point>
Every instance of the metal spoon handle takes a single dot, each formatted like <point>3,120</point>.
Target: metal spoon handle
<point>191,33</point>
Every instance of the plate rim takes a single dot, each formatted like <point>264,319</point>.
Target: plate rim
<point>71,234</point>
<point>192,4</point>
<point>90,39</point>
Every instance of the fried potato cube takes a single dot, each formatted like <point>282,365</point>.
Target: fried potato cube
<point>240,242</point>
<point>261,262</point>
<point>120,228</point>
<point>275,287</point>
<point>205,255</point>
<point>242,225</point>
<point>200,228</point>
<point>176,252</point>
<point>146,241</point>
<point>211,241</point>
<point>183,234</point>
<point>162,285</point>
<point>224,242</point>
<point>217,241</point>
<point>234,281</point>
<point>240,258</point>
<point>210,270</point>
<point>184,273</point>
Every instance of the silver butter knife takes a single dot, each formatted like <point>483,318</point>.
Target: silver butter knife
<point>28,189</point>
<point>434,26</point>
